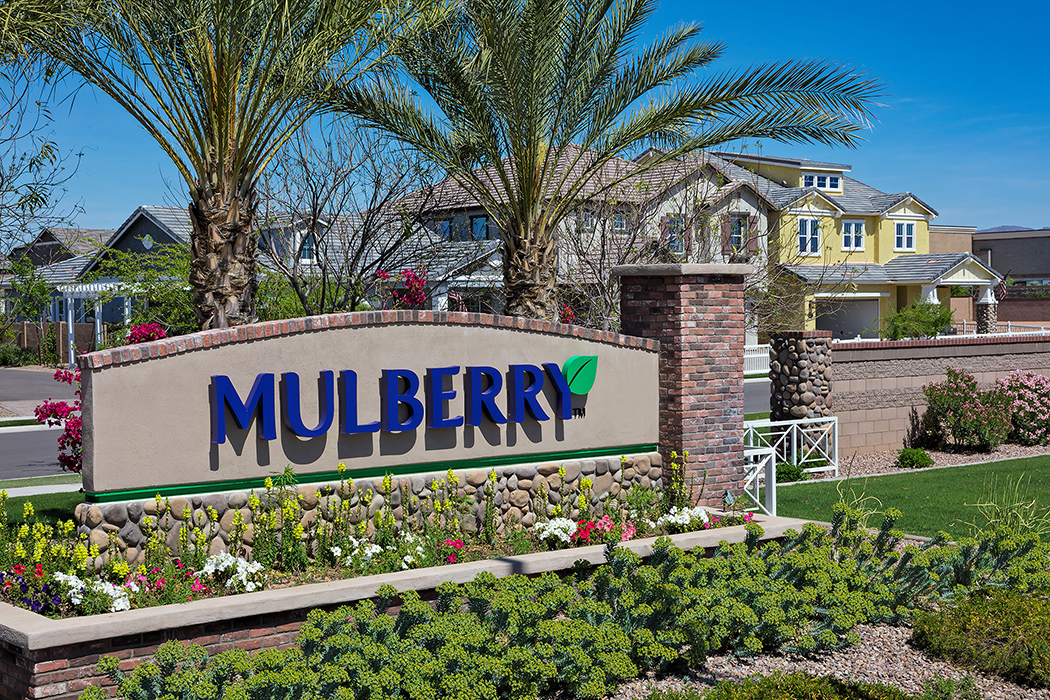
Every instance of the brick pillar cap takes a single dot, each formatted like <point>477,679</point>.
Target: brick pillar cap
<point>680,270</point>
<point>801,334</point>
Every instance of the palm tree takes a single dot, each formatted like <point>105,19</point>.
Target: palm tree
<point>545,93</point>
<point>220,85</point>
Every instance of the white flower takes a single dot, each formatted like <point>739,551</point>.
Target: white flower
<point>237,572</point>
<point>555,529</point>
<point>118,596</point>
<point>683,517</point>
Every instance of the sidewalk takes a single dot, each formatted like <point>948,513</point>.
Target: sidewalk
<point>42,490</point>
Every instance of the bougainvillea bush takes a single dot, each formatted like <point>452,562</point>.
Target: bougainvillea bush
<point>1027,398</point>
<point>67,415</point>
<point>961,416</point>
<point>582,635</point>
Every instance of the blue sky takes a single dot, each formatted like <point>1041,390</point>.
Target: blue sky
<point>965,126</point>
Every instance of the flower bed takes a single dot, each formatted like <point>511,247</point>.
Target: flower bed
<point>186,555</point>
<point>55,658</point>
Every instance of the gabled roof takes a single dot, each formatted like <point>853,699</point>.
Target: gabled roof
<point>80,240</point>
<point>926,268</point>
<point>780,160</point>
<point>65,271</point>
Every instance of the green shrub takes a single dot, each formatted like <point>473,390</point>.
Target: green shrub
<point>13,356</point>
<point>521,637</point>
<point>913,458</point>
<point>960,416</point>
<point>920,320</point>
<point>795,686</point>
<point>1002,633</point>
<point>788,472</point>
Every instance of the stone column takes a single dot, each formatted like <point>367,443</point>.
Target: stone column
<point>986,311</point>
<point>800,375</point>
<point>697,314</point>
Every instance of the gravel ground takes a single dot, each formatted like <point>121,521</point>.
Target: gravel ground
<point>883,656</point>
<point>882,462</point>
<point>4,413</point>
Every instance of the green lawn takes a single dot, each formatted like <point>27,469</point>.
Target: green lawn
<point>50,507</point>
<point>930,501</point>
<point>13,422</point>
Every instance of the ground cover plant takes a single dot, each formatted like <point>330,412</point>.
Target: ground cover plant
<point>932,501</point>
<point>1000,632</point>
<point>800,686</point>
<point>275,541</point>
<point>521,637</point>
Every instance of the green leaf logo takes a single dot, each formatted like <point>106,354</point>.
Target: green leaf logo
<point>580,372</point>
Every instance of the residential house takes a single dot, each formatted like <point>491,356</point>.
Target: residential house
<point>851,253</point>
<point>862,253</point>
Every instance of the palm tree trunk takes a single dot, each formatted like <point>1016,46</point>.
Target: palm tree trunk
<point>529,273</point>
<point>222,271</point>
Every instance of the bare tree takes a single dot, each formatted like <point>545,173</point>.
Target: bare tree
<point>33,169</point>
<point>687,210</point>
<point>337,211</point>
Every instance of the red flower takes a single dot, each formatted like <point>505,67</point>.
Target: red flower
<point>18,569</point>
<point>39,571</point>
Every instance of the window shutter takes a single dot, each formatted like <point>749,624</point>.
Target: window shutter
<point>727,236</point>
<point>752,234</point>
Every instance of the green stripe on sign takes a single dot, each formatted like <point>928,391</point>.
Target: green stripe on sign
<point>334,476</point>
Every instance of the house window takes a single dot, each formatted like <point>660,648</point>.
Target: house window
<point>619,221</point>
<point>822,181</point>
<point>905,235</point>
<point>809,236</point>
<point>309,250</point>
<point>853,235</point>
<point>443,228</point>
<point>736,234</point>
<point>479,228</point>
<point>586,220</point>
<point>676,233</point>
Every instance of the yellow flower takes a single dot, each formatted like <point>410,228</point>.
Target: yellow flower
<point>341,467</point>
<point>27,510</point>
<point>492,476</point>
<point>268,483</point>
<point>387,483</point>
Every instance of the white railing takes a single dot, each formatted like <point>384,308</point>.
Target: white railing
<point>808,441</point>
<point>756,359</point>
<point>1006,328</point>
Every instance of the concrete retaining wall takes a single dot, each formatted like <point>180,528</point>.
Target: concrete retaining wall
<point>878,383</point>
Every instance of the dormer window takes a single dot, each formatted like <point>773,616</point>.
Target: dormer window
<point>822,181</point>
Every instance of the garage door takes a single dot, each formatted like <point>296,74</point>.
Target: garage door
<point>849,318</point>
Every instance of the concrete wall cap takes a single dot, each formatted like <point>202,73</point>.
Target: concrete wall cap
<point>681,270</point>
<point>31,631</point>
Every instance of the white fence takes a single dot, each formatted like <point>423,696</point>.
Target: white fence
<point>809,443</point>
<point>756,359</point>
<point>1005,328</point>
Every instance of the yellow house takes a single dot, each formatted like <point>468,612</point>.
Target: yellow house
<point>862,254</point>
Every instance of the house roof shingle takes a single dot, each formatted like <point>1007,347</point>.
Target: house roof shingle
<point>924,268</point>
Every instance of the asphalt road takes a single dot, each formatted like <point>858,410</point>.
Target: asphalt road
<point>29,454</point>
<point>756,397</point>
<point>30,384</point>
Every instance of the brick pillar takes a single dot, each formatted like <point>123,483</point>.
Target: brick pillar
<point>697,314</point>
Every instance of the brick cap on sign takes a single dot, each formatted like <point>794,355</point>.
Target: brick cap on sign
<point>681,270</point>
<point>201,340</point>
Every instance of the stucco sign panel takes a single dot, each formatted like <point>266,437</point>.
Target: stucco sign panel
<point>400,396</point>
